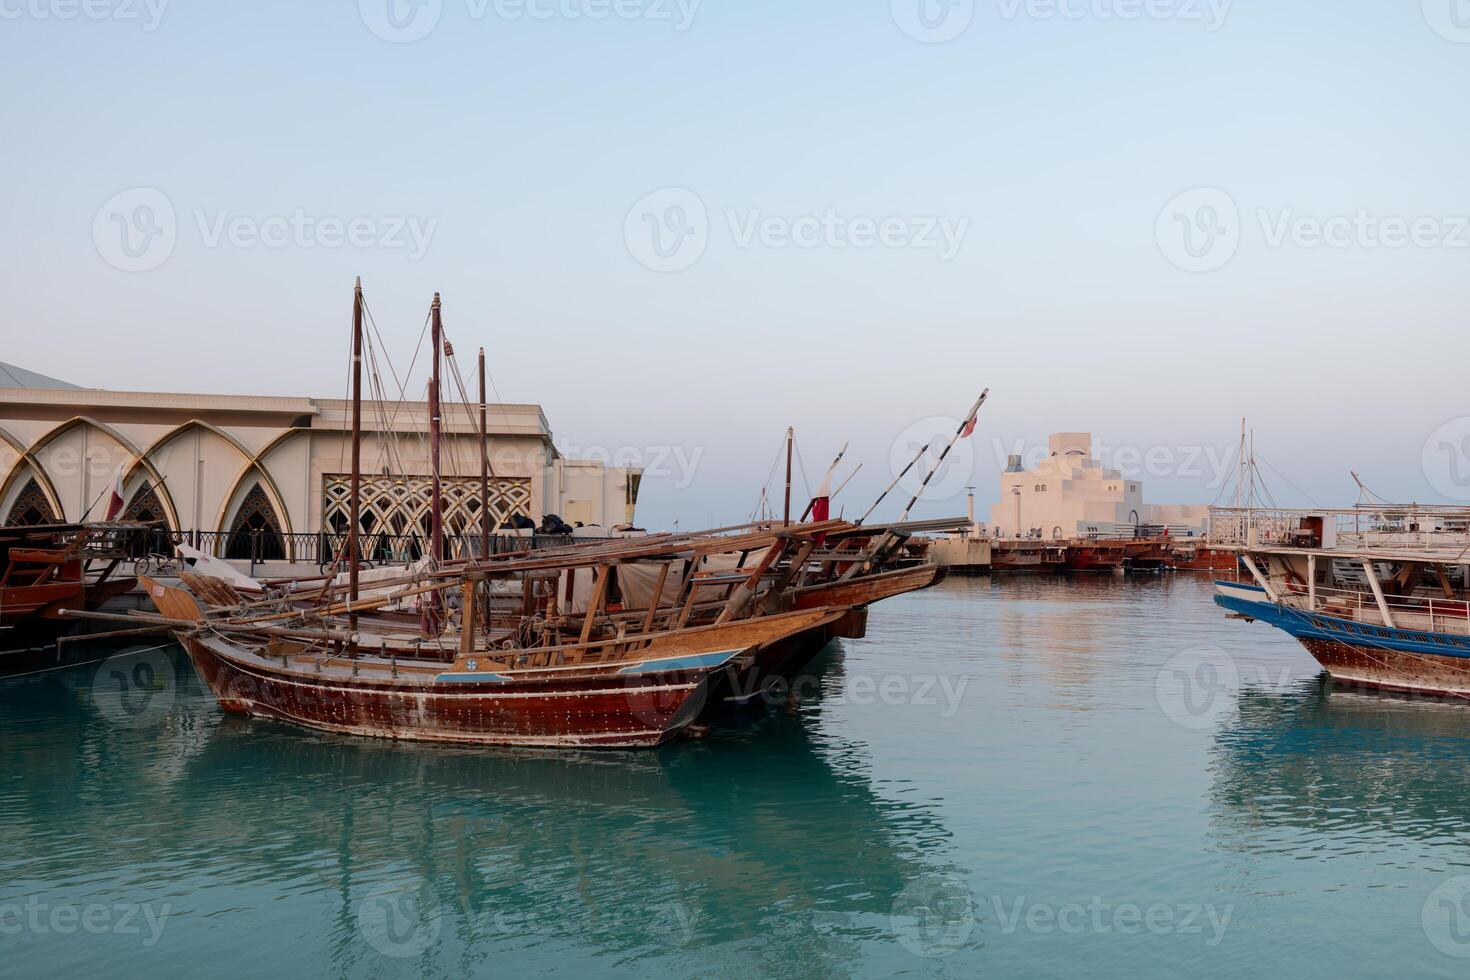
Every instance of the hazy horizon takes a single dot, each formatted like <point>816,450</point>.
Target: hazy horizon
<point>681,227</point>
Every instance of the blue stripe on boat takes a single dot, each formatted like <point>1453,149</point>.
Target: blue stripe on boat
<point>697,661</point>
<point>474,678</point>
<point>1241,585</point>
<point>1315,626</point>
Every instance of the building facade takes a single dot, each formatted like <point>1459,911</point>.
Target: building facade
<point>226,469</point>
<point>1069,494</point>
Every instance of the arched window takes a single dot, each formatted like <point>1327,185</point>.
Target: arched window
<point>256,531</point>
<point>145,508</point>
<point>31,507</point>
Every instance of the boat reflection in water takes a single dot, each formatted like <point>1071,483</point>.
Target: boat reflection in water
<point>752,843</point>
<point>1326,772</point>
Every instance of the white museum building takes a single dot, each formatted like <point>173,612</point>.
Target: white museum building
<point>1069,494</point>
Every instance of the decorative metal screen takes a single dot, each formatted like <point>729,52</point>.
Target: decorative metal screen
<point>145,507</point>
<point>256,531</point>
<point>395,510</point>
<point>31,507</point>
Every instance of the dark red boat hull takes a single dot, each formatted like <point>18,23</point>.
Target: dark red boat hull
<point>1391,670</point>
<point>592,711</point>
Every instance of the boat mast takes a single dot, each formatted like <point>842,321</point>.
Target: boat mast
<point>355,507</point>
<point>966,424</point>
<point>436,515</point>
<point>484,467</point>
<point>790,438</point>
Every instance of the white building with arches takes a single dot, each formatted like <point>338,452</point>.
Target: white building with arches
<point>225,467</point>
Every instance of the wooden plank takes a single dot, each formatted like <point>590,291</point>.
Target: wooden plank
<point>743,593</point>
<point>599,594</point>
<point>467,617</point>
<point>658,594</point>
<point>1444,582</point>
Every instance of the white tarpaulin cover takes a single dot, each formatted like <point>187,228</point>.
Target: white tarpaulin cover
<point>637,580</point>
<point>202,564</point>
<point>387,573</point>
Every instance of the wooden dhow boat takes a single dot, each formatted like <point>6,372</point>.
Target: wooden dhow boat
<point>1379,596</point>
<point>47,568</point>
<point>525,658</point>
<point>633,692</point>
<point>620,643</point>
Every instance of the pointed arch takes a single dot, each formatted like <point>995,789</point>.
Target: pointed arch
<point>145,506</point>
<point>280,439</point>
<point>250,467</point>
<point>28,457</point>
<point>256,530</point>
<point>21,466</point>
<point>31,507</point>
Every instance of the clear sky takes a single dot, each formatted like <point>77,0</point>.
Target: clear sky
<point>681,227</point>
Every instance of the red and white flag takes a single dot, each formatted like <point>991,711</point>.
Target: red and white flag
<point>822,502</point>
<point>969,428</point>
<point>115,503</point>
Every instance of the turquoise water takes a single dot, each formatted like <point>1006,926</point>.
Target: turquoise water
<point>1013,778</point>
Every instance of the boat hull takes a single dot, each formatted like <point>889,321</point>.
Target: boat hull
<point>783,660</point>
<point>778,664</point>
<point>591,710</point>
<point>867,589</point>
<point>1391,670</point>
<point>1363,654</point>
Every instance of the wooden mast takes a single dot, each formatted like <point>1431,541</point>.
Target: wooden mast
<point>790,438</point>
<point>484,467</point>
<point>433,621</point>
<point>436,505</point>
<point>355,507</point>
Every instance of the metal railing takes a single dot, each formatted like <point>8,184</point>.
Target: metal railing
<point>1410,527</point>
<point>260,546</point>
<point>1424,613</point>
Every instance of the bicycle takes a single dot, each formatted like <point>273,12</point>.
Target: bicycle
<point>156,565</point>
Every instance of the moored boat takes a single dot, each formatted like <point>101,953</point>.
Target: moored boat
<point>1376,595</point>
<point>624,693</point>
<point>43,570</point>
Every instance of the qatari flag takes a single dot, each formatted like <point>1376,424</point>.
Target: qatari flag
<point>115,504</point>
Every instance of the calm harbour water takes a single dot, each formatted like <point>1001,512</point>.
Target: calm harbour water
<point>1009,777</point>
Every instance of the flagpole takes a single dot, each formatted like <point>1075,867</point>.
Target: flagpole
<point>969,419</point>
<point>845,482</point>
<point>790,438</point>
<point>830,470</point>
